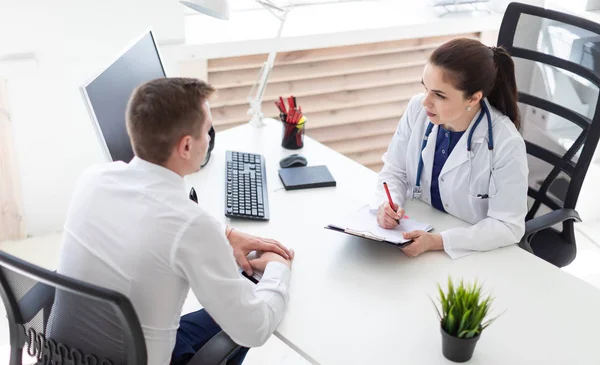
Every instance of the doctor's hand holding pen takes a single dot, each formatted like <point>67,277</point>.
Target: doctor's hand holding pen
<point>389,213</point>
<point>387,217</point>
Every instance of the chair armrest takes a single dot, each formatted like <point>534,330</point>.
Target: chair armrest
<point>537,224</point>
<point>36,299</point>
<point>216,351</point>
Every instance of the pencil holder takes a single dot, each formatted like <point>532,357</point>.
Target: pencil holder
<point>293,135</point>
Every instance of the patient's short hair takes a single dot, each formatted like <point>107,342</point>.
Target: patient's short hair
<point>162,111</point>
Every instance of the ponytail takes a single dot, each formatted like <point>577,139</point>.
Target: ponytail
<point>471,67</point>
<point>503,95</point>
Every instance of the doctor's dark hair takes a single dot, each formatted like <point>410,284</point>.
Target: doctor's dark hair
<point>162,111</point>
<point>471,66</point>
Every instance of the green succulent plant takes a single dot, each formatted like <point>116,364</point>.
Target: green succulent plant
<point>463,309</point>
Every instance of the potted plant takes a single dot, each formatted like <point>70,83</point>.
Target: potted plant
<point>463,310</point>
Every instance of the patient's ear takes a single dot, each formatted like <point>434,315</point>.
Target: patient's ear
<point>184,147</point>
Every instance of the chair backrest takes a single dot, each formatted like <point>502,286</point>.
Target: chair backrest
<point>60,320</point>
<point>557,64</point>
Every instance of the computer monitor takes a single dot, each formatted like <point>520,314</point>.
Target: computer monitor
<point>107,94</point>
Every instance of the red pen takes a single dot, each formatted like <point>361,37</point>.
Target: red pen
<point>297,117</point>
<point>278,106</point>
<point>387,191</point>
<point>282,104</point>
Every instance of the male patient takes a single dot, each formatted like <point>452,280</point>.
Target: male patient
<point>132,228</point>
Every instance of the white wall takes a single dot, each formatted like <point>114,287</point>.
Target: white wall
<point>59,45</point>
<point>71,41</point>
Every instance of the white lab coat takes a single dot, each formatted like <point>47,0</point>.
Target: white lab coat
<point>498,221</point>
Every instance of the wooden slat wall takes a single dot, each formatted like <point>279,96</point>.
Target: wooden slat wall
<point>352,96</point>
<point>11,213</point>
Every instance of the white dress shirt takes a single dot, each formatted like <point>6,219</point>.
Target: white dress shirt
<point>132,228</point>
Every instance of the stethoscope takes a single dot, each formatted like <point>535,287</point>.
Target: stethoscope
<point>417,191</point>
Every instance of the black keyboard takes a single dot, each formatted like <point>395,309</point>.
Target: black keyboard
<point>246,186</point>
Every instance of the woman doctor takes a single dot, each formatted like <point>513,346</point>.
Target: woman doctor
<point>458,148</point>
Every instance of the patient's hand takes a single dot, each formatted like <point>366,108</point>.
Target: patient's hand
<point>244,243</point>
<point>264,258</point>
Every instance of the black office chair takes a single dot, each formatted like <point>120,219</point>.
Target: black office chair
<point>558,97</point>
<point>59,320</point>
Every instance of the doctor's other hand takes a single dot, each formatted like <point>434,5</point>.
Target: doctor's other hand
<point>388,218</point>
<point>422,242</point>
<point>264,258</point>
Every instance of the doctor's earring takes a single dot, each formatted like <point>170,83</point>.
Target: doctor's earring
<point>469,109</point>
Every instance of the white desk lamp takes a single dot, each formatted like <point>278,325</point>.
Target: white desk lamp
<point>220,9</point>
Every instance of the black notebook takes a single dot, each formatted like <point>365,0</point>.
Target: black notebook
<point>306,177</point>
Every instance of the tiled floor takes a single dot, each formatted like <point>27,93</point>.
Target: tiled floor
<point>43,251</point>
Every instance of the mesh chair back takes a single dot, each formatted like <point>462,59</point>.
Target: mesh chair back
<point>557,64</point>
<point>59,320</point>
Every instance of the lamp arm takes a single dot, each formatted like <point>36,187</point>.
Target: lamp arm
<point>257,92</point>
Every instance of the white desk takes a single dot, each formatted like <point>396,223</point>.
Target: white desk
<point>356,301</point>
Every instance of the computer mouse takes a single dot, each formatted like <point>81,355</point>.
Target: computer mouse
<point>294,160</point>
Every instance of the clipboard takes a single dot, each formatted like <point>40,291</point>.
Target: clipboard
<point>363,223</point>
<point>367,235</point>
